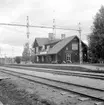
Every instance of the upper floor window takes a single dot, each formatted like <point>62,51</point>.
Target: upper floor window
<point>43,47</point>
<point>48,47</point>
<point>74,46</point>
<point>66,48</point>
<point>37,49</point>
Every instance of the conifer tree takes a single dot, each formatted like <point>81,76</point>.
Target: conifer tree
<point>96,38</point>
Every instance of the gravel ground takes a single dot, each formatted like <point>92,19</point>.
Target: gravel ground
<point>17,91</point>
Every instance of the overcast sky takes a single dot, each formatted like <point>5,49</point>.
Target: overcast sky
<point>68,13</point>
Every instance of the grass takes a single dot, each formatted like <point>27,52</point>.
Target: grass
<point>11,94</point>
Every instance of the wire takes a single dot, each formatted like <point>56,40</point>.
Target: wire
<point>49,27</point>
<point>38,26</point>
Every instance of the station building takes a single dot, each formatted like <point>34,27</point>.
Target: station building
<point>64,50</point>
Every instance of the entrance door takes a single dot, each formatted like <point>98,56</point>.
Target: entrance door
<point>68,58</point>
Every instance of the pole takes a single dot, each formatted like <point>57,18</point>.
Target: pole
<point>12,55</point>
<point>54,30</point>
<point>80,45</point>
<point>5,59</point>
<point>54,25</point>
<point>0,57</point>
<point>28,33</point>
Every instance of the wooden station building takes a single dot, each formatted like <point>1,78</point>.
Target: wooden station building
<point>64,50</point>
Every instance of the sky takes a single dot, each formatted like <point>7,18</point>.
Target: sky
<point>67,14</point>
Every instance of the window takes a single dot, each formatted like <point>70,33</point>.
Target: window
<point>66,48</point>
<point>48,47</point>
<point>68,57</point>
<point>37,59</point>
<point>43,47</point>
<point>74,46</point>
<point>36,49</point>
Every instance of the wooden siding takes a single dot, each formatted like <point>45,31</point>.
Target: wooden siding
<point>74,53</point>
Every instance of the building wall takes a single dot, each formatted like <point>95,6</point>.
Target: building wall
<point>35,45</point>
<point>74,53</point>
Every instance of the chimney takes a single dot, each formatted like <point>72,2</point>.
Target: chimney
<point>51,36</point>
<point>62,36</point>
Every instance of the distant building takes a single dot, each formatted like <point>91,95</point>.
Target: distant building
<point>64,50</point>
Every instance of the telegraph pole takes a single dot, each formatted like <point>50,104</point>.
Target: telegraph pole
<point>80,45</point>
<point>28,33</point>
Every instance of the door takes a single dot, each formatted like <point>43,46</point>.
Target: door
<point>68,58</point>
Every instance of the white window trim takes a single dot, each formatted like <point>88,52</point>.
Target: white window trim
<point>68,56</point>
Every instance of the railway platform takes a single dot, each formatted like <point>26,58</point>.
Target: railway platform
<point>87,66</point>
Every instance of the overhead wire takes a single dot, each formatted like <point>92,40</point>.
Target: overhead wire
<point>38,26</point>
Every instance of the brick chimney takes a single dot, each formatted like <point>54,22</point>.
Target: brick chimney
<point>51,36</point>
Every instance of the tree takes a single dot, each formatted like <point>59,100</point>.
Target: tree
<point>18,60</point>
<point>32,57</point>
<point>26,53</point>
<point>96,38</point>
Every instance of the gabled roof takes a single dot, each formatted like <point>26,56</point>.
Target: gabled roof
<point>61,44</point>
<point>41,41</point>
<point>52,41</point>
<point>45,41</point>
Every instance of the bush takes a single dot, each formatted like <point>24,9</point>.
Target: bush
<point>18,60</point>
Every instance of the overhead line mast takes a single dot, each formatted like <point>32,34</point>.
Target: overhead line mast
<point>54,28</point>
<point>54,25</point>
<point>28,33</point>
<point>80,45</point>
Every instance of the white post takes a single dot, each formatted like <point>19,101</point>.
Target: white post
<point>80,45</point>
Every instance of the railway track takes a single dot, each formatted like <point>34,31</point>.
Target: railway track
<point>86,91</point>
<point>63,72</point>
